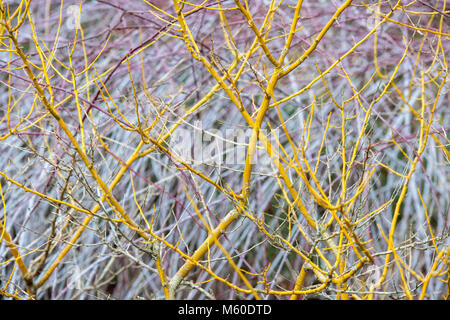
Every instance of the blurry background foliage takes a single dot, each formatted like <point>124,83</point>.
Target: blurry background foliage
<point>96,203</point>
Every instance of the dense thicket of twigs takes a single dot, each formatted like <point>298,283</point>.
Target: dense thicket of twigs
<point>348,99</point>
